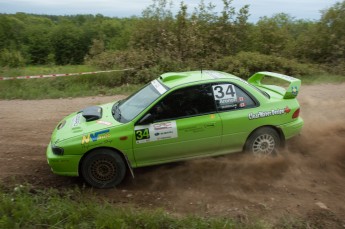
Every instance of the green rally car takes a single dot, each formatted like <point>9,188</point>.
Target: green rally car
<point>175,117</point>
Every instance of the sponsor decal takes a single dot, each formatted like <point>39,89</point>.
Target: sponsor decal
<point>104,122</point>
<point>242,104</point>
<point>158,86</point>
<point>241,99</point>
<point>212,116</point>
<point>229,106</point>
<point>155,132</point>
<point>225,95</point>
<point>76,120</point>
<point>93,137</point>
<point>264,114</point>
<point>294,90</point>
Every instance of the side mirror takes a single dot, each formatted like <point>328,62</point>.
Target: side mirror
<point>147,119</point>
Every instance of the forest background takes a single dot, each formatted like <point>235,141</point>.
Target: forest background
<point>160,41</point>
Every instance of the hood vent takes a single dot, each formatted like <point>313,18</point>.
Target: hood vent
<point>92,113</point>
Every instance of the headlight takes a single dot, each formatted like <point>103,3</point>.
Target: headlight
<point>57,150</point>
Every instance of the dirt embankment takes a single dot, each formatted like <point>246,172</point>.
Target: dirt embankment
<point>306,182</point>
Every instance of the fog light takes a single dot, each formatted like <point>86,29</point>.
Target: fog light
<point>57,150</point>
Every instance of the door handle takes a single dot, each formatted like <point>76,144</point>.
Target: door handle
<point>210,124</point>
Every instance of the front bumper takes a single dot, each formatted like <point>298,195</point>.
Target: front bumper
<point>292,128</point>
<point>65,165</point>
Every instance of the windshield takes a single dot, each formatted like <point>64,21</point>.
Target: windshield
<point>126,110</point>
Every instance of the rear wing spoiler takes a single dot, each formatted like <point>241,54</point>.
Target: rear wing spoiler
<point>289,93</point>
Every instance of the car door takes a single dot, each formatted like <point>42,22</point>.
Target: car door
<point>234,105</point>
<point>184,124</point>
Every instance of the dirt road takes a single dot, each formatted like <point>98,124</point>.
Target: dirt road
<point>306,182</point>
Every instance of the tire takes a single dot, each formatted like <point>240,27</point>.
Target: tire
<point>103,168</point>
<point>263,142</point>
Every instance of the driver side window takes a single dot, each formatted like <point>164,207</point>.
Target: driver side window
<point>185,102</point>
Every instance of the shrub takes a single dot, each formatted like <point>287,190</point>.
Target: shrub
<point>11,58</point>
<point>149,64</point>
<point>244,64</point>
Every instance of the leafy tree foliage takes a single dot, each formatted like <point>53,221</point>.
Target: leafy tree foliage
<point>164,40</point>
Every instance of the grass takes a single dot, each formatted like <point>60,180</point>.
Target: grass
<point>61,88</point>
<point>68,86</point>
<point>44,70</point>
<point>86,85</point>
<point>24,207</point>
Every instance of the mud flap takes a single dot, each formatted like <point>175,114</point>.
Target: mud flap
<point>129,165</point>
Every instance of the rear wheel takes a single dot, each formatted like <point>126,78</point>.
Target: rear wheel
<point>263,142</point>
<point>103,168</point>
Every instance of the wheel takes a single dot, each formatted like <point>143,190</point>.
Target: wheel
<point>263,142</point>
<point>103,168</point>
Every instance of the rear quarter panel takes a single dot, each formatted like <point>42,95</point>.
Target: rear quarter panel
<point>239,124</point>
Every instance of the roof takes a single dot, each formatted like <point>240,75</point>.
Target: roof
<point>173,79</point>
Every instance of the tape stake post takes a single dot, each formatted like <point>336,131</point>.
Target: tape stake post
<point>60,75</point>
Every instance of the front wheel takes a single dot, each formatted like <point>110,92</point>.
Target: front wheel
<point>263,142</point>
<point>103,168</point>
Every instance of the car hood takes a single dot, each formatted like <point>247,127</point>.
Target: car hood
<point>87,120</point>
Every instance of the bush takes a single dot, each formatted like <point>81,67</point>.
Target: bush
<point>337,68</point>
<point>11,58</point>
<point>149,64</point>
<point>244,64</point>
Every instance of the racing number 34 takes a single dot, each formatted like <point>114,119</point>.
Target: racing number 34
<point>219,91</point>
<point>142,134</point>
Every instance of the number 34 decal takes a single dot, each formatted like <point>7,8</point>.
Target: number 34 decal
<point>224,91</point>
<point>142,134</point>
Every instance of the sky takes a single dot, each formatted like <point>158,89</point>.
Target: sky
<point>299,9</point>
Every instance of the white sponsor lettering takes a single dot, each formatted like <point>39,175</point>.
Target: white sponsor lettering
<point>263,114</point>
<point>76,120</point>
<point>158,86</point>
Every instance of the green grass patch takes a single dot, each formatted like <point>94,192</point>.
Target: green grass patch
<point>24,207</point>
<point>44,70</point>
<point>68,86</point>
<point>61,87</point>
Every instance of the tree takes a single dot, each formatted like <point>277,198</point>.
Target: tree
<point>70,44</point>
<point>333,24</point>
<point>272,35</point>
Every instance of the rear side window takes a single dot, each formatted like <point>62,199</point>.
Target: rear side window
<point>231,97</point>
